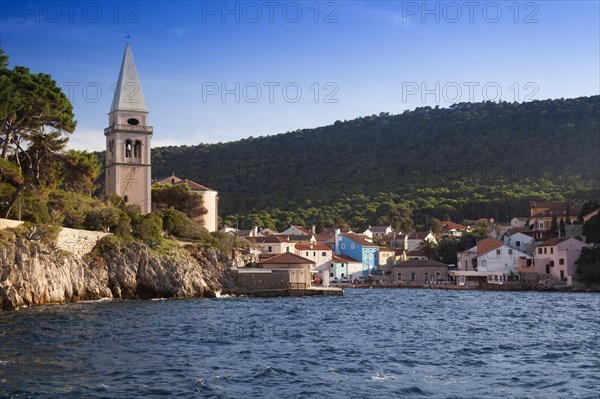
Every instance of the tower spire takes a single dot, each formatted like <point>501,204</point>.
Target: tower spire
<point>129,95</point>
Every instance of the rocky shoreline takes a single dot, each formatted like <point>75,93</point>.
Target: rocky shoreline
<point>32,273</point>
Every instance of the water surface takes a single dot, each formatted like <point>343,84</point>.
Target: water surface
<point>369,343</point>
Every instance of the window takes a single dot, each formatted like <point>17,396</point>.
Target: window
<point>466,265</point>
<point>342,274</point>
<point>288,249</point>
<point>323,253</point>
<point>561,261</point>
<point>126,199</point>
<point>352,246</point>
<point>137,149</point>
<point>518,243</point>
<point>413,276</point>
<point>438,275</point>
<point>342,265</point>
<point>551,250</point>
<point>539,251</point>
<point>426,277</point>
<point>545,251</point>
<point>551,263</point>
<point>498,252</point>
<point>510,251</point>
<point>306,253</point>
<point>541,225</point>
<point>314,254</point>
<point>269,249</point>
<point>343,246</point>
<point>399,276</point>
<point>128,149</point>
<point>331,274</point>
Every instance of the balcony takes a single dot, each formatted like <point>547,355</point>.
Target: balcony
<point>128,128</point>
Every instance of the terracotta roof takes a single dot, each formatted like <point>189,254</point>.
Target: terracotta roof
<point>451,225</point>
<point>176,180</point>
<point>419,263</point>
<point>418,235</point>
<point>416,252</point>
<point>266,239</point>
<point>359,239</point>
<point>540,204</point>
<point>385,249</point>
<point>304,230</point>
<point>344,259</point>
<point>514,230</point>
<point>487,245</point>
<point>552,242</point>
<point>558,209</point>
<point>286,258</point>
<point>294,238</point>
<point>313,247</point>
<point>379,229</point>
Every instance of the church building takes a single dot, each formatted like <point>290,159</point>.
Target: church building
<point>128,163</point>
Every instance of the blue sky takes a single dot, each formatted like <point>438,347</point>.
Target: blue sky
<point>313,62</point>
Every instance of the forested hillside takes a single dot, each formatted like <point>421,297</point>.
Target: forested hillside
<point>469,160</point>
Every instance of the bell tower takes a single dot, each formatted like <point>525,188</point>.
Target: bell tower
<point>128,138</point>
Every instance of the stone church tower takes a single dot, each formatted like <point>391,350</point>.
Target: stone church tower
<point>128,139</point>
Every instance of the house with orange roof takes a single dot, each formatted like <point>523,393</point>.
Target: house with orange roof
<point>491,258</point>
<point>210,200</point>
<point>453,229</point>
<point>297,231</point>
<point>272,245</point>
<point>542,214</point>
<point>298,268</point>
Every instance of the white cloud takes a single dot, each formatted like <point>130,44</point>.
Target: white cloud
<point>87,139</point>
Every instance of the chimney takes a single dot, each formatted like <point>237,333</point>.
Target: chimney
<point>255,231</point>
<point>313,229</point>
<point>337,241</point>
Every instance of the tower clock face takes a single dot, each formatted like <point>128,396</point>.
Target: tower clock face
<point>133,121</point>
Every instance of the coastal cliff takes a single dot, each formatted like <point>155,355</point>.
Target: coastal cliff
<point>33,273</point>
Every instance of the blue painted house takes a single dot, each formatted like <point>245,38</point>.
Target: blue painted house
<point>359,248</point>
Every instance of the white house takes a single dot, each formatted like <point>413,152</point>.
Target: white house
<point>518,222</point>
<point>297,231</point>
<point>381,231</point>
<point>415,239</point>
<point>502,259</point>
<point>319,253</point>
<point>272,245</point>
<point>343,266</point>
<point>520,242</point>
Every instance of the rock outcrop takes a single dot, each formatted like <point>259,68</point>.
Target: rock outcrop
<point>31,273</point>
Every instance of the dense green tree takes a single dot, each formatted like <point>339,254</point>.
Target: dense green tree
<point>434,224</point>
<point>588,265</point>
<point>180,225</point>
<point>591,229</point>
<point>35,115</point>
<point>179,197</point>
<point>553,231</point>
<point>429,249</point>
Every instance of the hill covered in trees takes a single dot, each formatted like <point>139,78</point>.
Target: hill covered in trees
<point>466,161</point>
